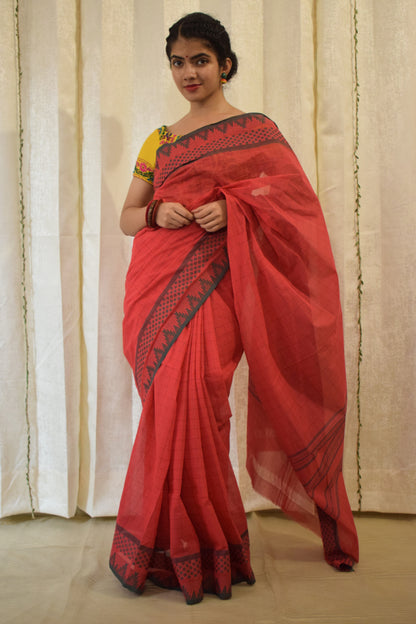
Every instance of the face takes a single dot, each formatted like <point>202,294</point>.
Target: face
<point>195,69</point>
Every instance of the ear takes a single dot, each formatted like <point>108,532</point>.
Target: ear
<point>227,66</point>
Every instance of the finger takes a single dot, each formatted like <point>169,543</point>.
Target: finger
<point>203,211</point>
<point>184,215</point>
<point>213,228</point>
<point>171,221</point>
<point>211,218</point>
<point>181,210</point>
<point>171,208</point>
<point>211,225</point>
<point>180,220</point>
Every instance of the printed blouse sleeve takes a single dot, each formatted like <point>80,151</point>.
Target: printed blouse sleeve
<point>146,160</point>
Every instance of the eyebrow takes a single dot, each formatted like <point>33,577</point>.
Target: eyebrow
<point>193,58</point>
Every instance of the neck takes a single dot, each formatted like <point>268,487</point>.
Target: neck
<point>204,113</point>
<point>212,106</point>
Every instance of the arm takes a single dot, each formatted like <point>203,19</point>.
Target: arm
<point>133,215</point>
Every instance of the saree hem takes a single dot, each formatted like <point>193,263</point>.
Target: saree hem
<point>211,571</point>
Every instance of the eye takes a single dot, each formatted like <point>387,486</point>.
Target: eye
<point>202,61</point>
<point>176,63</point>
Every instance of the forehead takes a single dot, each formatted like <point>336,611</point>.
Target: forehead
<point>190,47</point>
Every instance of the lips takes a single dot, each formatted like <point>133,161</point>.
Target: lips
<point>192,87</point>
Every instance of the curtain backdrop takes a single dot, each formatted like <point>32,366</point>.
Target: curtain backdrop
<point>83,82</point>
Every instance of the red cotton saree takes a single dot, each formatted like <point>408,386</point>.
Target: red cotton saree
<point>194,301</point>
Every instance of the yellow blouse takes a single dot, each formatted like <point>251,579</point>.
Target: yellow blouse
<point>146,160</point>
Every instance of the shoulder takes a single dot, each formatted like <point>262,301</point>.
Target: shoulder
<point>262,118</point>
<point>262,123</point>
<point>152,140</point>
<point>158,137</point>
<point>146,160</point>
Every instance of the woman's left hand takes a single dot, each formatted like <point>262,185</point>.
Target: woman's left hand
<point>213,216</point>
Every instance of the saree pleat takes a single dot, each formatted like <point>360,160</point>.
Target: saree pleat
<point>267,284</point>
<point>181,521</point>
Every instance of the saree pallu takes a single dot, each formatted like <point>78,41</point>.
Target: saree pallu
<point>194,301</point>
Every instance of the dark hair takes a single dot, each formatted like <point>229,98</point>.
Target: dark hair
<point>203,26</point>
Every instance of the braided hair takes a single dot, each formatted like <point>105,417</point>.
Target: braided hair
<point>203,26</point>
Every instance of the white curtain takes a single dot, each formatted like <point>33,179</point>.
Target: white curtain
<point>94,82</point>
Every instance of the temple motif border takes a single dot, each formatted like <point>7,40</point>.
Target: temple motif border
<point>220,137</point>
<point>193,282</point>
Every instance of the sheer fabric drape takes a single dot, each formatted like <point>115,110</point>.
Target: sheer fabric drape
<point>94,82</point>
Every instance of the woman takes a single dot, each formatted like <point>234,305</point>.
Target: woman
<point>230,253</point>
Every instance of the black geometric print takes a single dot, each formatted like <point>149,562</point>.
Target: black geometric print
<point>215,138</point>
<point>200,272</point>
<point>328,444</point>
<point>209,571</point>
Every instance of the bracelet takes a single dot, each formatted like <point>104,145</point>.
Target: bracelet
<point>151,212</point>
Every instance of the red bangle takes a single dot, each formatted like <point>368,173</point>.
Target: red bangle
<point>151,212</point>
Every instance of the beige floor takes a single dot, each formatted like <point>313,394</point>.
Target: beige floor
<point>55,571</point>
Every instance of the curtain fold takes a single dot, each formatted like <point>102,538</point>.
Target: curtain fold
<point>388,231</point>
<point>50,176</point>
<point>14,496</point>
<point>94,83</point>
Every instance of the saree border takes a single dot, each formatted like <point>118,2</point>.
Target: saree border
<point>208,570</point>
<point>193,282</point>
<point>216,138</point>
<point>328,443</point>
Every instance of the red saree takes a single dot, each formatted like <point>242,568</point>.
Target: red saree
<point>193,302</point>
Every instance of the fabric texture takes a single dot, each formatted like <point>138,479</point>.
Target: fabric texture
<point>146,160</point>
<point>194,300</point>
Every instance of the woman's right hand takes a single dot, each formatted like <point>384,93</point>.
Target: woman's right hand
<point>133,216</point>
<point>173,216</point>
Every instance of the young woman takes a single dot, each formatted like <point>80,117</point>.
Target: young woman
<point>231,253</point>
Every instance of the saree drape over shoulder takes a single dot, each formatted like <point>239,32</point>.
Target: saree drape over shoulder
<point>194,301</point>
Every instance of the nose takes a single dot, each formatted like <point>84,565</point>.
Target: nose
<point>190,71</point>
